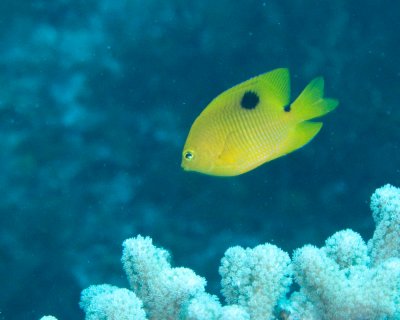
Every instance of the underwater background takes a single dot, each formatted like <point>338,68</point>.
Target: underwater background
<point>97,98</point>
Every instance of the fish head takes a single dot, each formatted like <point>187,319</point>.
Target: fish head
<point>197,157</point>
<point>202,148</point>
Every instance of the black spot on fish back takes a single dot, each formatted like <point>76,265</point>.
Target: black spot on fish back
<point>287,108</point>
<point>249,100</point>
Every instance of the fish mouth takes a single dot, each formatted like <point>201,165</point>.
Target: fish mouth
<point>184,167</point>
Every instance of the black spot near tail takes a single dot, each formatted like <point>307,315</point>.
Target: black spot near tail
<point>249,100</point>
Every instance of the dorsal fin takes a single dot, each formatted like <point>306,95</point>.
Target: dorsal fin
<point>273,87</point>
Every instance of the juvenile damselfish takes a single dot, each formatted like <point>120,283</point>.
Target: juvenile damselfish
<point>254,122</point>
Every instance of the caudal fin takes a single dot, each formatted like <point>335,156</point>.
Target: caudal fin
<point>311,102</point>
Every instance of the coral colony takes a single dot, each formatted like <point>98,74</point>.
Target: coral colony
<point>345,279</point>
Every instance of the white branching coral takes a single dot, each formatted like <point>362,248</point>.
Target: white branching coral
<point>170,293</point>
<point>356,292</point>
<point>385,206</point>
<point>255,279</point>
<point>103,302</point>
<point>347,249</point>
<point>163,290</point>
<point>345,279</point>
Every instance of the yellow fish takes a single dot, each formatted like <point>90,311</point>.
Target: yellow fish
<point>252,123</point>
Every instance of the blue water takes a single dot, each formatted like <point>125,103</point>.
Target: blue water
<point>96,100</point>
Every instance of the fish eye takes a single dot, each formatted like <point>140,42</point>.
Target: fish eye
<point>188,155</point>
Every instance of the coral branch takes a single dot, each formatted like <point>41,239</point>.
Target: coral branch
<point>345,279</point>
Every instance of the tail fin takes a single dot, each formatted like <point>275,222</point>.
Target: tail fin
<point>311,102</point>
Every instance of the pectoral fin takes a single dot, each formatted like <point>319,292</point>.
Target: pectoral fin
<point>230,151</point>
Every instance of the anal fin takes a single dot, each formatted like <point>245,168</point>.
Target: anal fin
<point>299,136</point>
